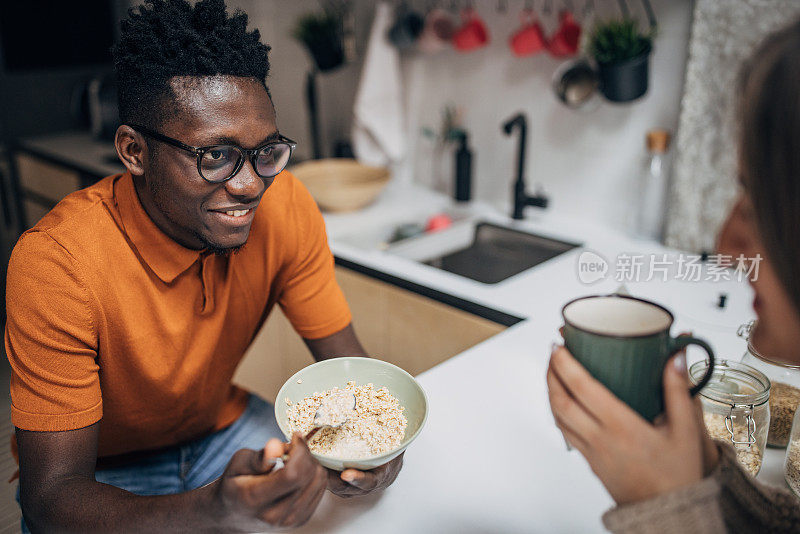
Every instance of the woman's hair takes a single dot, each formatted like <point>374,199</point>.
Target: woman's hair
<point>166,38</point>
<point>769,149</point>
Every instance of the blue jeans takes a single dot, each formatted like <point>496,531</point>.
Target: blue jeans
<point>194,464</point>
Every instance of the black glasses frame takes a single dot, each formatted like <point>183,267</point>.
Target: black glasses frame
<point>199,151</point>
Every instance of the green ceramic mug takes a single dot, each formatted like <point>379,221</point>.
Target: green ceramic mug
<point>625,343</point>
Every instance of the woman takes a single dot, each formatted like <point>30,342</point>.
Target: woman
<point>670,476</point>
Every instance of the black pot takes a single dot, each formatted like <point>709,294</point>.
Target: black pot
<point>626,80</point>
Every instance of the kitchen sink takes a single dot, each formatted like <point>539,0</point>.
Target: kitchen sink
<point>489,254</point>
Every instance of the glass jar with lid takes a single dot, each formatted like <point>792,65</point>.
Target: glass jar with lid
<point>791,466</point>
<point>784,397</point>
<point>736,408</point>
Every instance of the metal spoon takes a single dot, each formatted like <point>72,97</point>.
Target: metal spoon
<point>334,411</point>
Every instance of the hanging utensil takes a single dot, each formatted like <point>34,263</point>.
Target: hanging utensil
<point>651,16</point>
<point>576,85</point>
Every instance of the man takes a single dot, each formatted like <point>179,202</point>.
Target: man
<point>132,302</point>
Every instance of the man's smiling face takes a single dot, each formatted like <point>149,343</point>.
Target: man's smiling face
<point>209,110</point>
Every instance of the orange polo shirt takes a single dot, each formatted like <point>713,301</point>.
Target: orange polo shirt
<point>110,320</point>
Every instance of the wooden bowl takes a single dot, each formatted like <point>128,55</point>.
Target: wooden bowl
<point>340,184</point>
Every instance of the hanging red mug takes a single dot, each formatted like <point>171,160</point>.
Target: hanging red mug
<point>437,32</point>
<point>529,39</point>
<point>472,34</point>
<point>567,38</point>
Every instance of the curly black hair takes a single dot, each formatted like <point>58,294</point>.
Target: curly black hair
<point>166,38</point>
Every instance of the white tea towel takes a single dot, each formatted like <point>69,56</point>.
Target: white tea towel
<point>378,121</point>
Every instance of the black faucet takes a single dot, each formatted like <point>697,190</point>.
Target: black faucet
<point>521,198</point>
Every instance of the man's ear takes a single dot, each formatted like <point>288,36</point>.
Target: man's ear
<point>131,149</point>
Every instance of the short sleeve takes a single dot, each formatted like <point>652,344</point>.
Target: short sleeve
<point>311,299</point>
<point>50,339</point>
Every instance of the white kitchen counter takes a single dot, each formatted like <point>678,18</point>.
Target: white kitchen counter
<point>490,458</point>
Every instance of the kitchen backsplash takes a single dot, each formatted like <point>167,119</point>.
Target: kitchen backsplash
<point>587,162</point>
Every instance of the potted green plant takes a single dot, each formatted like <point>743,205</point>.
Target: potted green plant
<point>622,52</point>
<point>321,33</point>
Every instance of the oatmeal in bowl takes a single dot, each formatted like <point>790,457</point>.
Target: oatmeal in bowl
<point>390,411</point>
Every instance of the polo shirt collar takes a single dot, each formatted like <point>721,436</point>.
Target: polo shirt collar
<point>165,256</point>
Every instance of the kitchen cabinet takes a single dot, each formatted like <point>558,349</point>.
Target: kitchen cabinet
<point>410,330</point>
<point>45,179</point>
<point>48,168</point>
<point>42,184</point>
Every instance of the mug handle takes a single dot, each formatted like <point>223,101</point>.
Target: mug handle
<point>681,342</point>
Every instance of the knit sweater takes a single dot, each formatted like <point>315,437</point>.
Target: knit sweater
<point>728,500</point>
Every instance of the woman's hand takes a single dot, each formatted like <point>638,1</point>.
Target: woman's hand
<point>634,459</point>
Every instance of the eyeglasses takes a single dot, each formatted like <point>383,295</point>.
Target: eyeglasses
<point>219,163</point>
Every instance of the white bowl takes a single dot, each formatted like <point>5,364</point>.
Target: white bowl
<point>337,372</point>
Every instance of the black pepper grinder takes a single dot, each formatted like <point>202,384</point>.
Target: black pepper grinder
<point>463,189</point>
